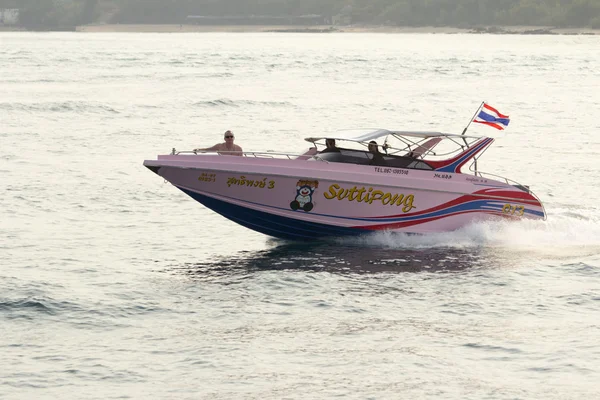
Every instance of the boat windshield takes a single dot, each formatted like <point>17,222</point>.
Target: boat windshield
<point>361,157</point>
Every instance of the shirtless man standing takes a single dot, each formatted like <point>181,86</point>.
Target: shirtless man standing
<point>226,148</point>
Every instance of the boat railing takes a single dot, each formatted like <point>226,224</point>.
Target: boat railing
<point>500,178</point>
<point>514,183</point>
<point>269,154</point>
<point>511,182</point>
<point>256,154</point>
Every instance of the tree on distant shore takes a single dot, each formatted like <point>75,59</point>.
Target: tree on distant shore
<point>458,13</point>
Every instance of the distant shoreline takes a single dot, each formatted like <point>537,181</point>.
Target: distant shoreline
<point>332,29</point>
<point>170,28</point>
<point>175,28</point>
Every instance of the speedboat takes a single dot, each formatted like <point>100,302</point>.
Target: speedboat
<point>415,185</point>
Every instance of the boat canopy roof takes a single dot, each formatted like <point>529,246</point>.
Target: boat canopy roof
<point>375,134</point>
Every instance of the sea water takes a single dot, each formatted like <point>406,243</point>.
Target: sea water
<point>114,284</point>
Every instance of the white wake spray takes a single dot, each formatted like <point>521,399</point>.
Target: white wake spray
<point>559,232</point>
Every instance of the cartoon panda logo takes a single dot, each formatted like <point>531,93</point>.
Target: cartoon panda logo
<point>304,192</point>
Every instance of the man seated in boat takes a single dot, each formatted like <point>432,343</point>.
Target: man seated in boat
<point>331,147</point>
<point>228,148</point>
<point>377,158</point>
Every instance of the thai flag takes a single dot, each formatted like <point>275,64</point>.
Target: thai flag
<point>488,115</point>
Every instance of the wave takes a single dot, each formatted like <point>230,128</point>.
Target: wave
<point>186,77</point>
<point>558,233</point>
<point>26,304</point>
<point>565,240</point>
<point>241,103</point>
<point>60,107</point>
<point>35,307</point>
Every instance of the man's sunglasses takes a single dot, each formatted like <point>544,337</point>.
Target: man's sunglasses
<point>227,137</point>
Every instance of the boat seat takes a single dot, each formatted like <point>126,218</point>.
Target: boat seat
<point>307,154</point>
<point>346,156</point>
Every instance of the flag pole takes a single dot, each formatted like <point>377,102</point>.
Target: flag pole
<point>467,127</point>
<point>472,118</point>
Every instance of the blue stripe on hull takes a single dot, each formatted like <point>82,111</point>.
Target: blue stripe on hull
<point>272,225</point>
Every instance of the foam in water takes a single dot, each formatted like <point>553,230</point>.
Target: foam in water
<point>557,232</point>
